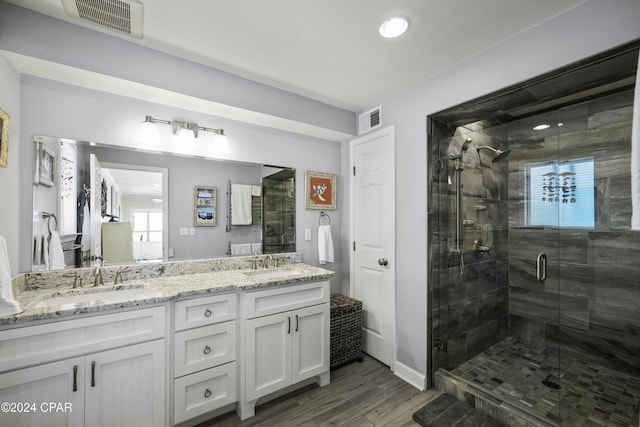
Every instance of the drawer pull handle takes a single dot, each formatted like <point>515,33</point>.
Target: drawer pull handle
<point>296,323</point>
<point>207,349</point>
<point>75,378</point>
<point>207,393</point>
<point>207,313</point>
<point>288,324</point>
<point>93,373</point>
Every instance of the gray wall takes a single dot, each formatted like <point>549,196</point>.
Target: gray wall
<point>591,27</point>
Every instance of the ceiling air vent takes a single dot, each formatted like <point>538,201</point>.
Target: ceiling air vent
<point>370,120</point>
<point>123,16</point>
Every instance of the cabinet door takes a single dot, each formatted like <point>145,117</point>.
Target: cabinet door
<point>125,386</point>
<point>310,342</point>
<point>268,354</point>
<point>53,393</point>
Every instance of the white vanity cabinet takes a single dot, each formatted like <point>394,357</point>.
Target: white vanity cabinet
<point>108,370</point>
<point>204,354</point>
<point>285,340</point>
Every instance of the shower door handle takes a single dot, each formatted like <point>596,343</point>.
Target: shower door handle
<point>541,267</point>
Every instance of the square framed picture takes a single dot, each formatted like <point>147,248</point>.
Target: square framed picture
<point>205,206</point>
<point>320,190</point>
<point>4,138</point>
<point>47,166</point>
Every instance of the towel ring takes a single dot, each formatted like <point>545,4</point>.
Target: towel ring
<point>47,216</point>
<point>324,215</point>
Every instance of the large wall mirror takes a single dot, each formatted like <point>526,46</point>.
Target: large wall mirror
<point>113,205</point>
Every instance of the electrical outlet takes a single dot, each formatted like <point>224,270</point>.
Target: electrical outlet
<point>192,231</point>
<point>184,231</point>
<point>171,253</point>
<point>307,234</point>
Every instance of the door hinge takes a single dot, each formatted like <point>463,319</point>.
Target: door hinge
<point>354,171</point>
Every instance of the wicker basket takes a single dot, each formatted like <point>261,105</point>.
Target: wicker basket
<point>346,330</point>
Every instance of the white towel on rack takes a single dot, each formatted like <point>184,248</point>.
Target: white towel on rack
<point>85,241</point>
<point>635,157</point>
<point>241,249</point>
<point>325,244</point>
<point>45,251</point>
<point>56,256</point>
<point>241,204</point>
<point>8,304</point>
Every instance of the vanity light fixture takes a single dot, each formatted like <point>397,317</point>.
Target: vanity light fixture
<point>181,127</point>
<point>541,127</point>
<point>394,27</point>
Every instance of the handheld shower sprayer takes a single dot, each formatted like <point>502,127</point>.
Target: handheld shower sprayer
<point>465,147</point>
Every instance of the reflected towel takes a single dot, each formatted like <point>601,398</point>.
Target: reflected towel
<point>325,244</point>
<point>8,305</point>
<point>635,157</point>
<point>241,204</point>
<point>56,256</point>
<point>85,241</point>
<point>256,190</point>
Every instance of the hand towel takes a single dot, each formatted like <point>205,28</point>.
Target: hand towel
<point>45,252</point>
<point>256,248</point>
<point>85,241</point>
<point>325,244</point>
<point>256,190</point>
<point>241,204</point>
<point>8,305</point>
<point>635,157</point>
<point>56,256</point>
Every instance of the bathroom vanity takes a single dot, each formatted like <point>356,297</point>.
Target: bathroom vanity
<point>164,350</point>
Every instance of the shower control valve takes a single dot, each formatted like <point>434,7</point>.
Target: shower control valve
<point>479,247</point>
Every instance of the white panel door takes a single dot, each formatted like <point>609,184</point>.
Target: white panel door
<point>41,388</point>
<point>125,387</point>
<point>268,354</point>
<point>310,342</point>
<point>373,239</point>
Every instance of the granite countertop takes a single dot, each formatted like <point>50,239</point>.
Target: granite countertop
<point>64,302</point>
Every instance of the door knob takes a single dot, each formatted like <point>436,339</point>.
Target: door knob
<point>383,261</point>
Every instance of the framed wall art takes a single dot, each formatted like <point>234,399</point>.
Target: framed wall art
<point>47,165</point>
<point>320,190</point>
<point>4,138</point>
<point>205,206</point>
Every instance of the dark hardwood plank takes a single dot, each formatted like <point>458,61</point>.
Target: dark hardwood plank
<point>363,394</point>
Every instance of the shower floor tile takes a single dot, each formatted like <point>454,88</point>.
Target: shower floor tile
<point>588,395</point>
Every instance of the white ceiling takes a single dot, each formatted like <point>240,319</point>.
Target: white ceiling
<point>136,183</point>
<point>329,50</point>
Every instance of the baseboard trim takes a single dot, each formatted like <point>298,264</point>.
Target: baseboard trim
<point>410,376</point>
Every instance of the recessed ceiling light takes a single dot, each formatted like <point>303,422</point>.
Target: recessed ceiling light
<point>393,27</point>
<point>541,127</point>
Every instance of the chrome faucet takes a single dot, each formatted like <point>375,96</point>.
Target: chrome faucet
<point>266,261</point>
<point>77,280</point>
<point>97,277</point>
<point>254,261</point>
<point>119,278</point>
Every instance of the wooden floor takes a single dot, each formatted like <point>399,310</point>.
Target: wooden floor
<point>360,394</point>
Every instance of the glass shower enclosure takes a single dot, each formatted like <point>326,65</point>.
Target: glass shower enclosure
<point>533,266</point>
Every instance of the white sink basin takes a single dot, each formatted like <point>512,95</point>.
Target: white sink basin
<point>269,274</point>
<point>93,298</point>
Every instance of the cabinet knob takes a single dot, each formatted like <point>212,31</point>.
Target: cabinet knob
<point>207,393</point>
<point>207,349</point>
<point>207,313</point>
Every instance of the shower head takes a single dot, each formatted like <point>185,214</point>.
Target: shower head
<point>465,147</point>
<point>499,154</point>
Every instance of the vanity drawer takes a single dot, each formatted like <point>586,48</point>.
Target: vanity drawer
<point>33,345</point>
<point>278,300</point>
<point>204,391</point>
<point>197,312</point>
<point>205,347</point>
